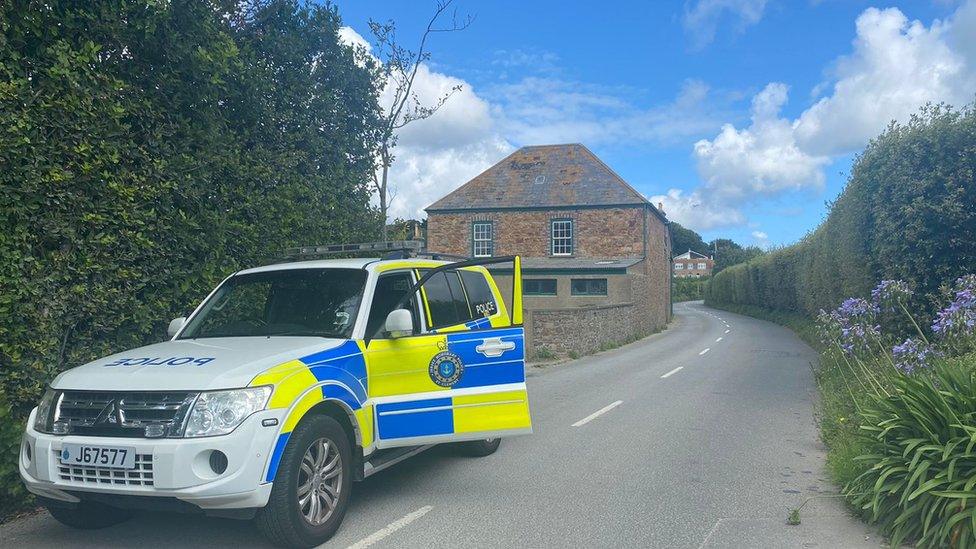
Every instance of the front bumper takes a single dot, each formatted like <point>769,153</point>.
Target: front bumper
<point>171,468</point>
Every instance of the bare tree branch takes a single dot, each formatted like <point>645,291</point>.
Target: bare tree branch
<point>398,72</point>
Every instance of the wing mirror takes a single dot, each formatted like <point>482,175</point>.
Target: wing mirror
<point>175,325</point>
<point>399,323</point>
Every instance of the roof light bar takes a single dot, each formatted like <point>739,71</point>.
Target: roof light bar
<point>359,247</point>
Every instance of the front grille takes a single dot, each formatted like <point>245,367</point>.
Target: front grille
<point>142,475</point>
<point>122,413</point>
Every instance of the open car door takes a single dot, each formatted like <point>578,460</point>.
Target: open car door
<point>460,373</point>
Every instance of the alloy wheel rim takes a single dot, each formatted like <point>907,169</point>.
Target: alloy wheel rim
<point>319,481</point>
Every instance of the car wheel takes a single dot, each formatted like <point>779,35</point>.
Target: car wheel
<point>480,448</point>
<point>312,486</point>
<point>89,515</point>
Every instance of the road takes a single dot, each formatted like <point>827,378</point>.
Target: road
<point>700,436</point>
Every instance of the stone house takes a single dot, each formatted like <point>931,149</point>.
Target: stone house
<point>692,264</point>
<point>596,254</point>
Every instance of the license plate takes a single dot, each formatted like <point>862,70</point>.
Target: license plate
<point>98,456</point>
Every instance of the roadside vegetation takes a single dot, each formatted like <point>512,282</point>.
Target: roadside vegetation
<point>688,289</point>
<point>148,149</point>
<point>897,375</point>
<point>904,436</point>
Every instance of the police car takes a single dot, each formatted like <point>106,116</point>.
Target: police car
<point>287,383</point>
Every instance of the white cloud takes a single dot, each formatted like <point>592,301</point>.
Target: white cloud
<point>539,61</point>
<point>349,36</point>
<point>702,19</point>
<point>762,159</point>
<point>436,155</point>
<point>463,120</point>
<point>693,211</point>
<point>551,110</point>
<point>762,239</point>
<point>421,175</point>
<point>895,67</point>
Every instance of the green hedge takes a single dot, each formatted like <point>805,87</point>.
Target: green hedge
<point>688,289</point>
<point>907,213</point>
<point>148,149</point>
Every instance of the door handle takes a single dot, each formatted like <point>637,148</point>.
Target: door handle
<point>493,347</point>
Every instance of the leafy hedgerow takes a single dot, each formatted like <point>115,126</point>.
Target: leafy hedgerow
<point>906,213</point>
<point>147,150</point>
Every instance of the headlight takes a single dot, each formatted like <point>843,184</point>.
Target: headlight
<point>45,412</point>
<point>220,412</point>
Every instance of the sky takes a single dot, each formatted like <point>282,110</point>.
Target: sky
<point>743,117</point>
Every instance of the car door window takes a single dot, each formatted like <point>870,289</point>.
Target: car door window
<point>390,288</point>
<point>481,301</point>
<point>445,300</point>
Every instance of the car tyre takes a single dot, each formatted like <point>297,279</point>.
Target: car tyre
<point>90,515</point>
<point>480,448</point>
<point>304,479</point>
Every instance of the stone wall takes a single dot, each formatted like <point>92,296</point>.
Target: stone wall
<point>652,292</point>
<point>558,331</point>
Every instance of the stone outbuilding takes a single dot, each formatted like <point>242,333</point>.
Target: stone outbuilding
<point>596,254</point>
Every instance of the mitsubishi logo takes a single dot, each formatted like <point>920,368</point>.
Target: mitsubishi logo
<point>112,413</point>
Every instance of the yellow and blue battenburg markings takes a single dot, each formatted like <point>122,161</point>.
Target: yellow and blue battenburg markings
<point>342,372</point>
<point>468,378</point>
<point>488,393</point>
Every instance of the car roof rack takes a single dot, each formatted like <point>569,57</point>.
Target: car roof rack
<point>385,246</point>
<point>390,249</point>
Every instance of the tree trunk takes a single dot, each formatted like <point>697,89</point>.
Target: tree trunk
<point>381,190</point>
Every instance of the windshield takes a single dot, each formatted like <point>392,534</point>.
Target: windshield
<point>297,302</point>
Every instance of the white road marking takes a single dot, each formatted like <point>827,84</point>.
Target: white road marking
<point>598,413</point>
<point>672,372</point>
<point>389,529</point>
<point>727,331</point>
<point>710,533</point>
<point>705,351</point>
<point>717,340</point>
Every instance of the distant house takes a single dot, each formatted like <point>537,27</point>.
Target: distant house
<point>596,254</point>
<point>692,264</point>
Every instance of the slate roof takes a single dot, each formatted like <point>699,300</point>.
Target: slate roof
<point>572,264</point>
<point>543,176</point>
<point>691,254</point>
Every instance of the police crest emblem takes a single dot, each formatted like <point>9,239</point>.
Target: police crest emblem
<point>446,369</point>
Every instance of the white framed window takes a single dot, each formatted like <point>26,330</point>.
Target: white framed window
<point>701,266</point>
<point>679,266</point>
<point>562,237</point>
<point>482,239</point>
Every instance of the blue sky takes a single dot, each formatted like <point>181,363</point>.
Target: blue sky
<point>743,116</point>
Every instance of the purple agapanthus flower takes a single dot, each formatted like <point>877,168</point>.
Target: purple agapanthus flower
<point>855,308</point>
<point>851,325</point>
<point>959,318</point>
<point>913,354</point>
<point>829,326</point>
<point>889,293</point>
